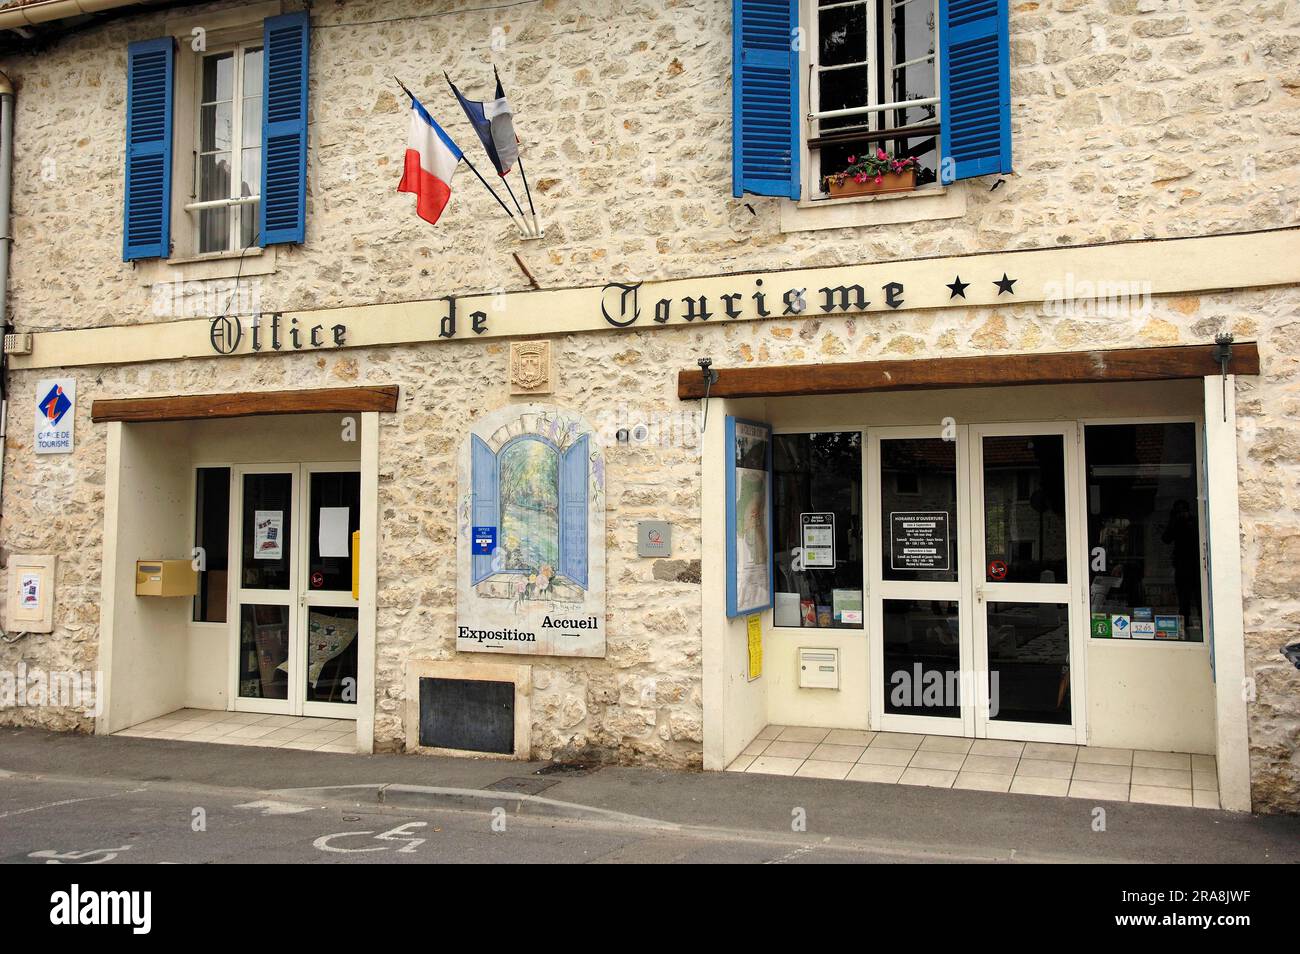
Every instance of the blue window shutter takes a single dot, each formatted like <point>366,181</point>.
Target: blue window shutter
<point>573,512</point>
<point>975,87</point>
<point>765,98</point>
<point>283,212</point>
<point>485,501</point>
<point>150,76</point>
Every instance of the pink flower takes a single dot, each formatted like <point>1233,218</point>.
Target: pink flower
<point>881,155</point>
<point>860,178</point>
<point>878,180</point>
<point>852,159</point>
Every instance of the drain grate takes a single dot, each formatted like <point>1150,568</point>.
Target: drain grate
<point>523,786</point>
<point>567,768</point>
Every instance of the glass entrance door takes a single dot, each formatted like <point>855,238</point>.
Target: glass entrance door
<point>921,643</point>
<point>1026,551</point>
<point>295,619</point>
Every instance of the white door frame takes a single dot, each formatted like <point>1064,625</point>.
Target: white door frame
<point>239,595</point>
<point>307,597</point>
<point>879,589</point>
<point>1072,593</point>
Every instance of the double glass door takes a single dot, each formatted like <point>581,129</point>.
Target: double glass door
<point>294,625</point>
<point>973,569</point>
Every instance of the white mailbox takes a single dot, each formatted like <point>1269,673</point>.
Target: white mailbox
<point>30,604</point>
<point>819,668</point>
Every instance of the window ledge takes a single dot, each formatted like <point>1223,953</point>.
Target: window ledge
<point>253,261</point>
<point>922,205</point>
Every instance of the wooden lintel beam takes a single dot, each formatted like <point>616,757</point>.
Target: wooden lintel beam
<point>995,370</point>
<point>197,407</point>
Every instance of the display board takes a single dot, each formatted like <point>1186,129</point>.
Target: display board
<point>749,516</point>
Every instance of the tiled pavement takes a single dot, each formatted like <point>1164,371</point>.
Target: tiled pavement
<point>250,728</point>
<point>991,765</point>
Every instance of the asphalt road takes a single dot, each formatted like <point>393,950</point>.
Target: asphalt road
<point>46,821</point>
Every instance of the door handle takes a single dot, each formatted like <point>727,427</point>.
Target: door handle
<point>979,593</point>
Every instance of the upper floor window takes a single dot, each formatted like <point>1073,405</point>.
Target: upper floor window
<point>874,83</point>
<point>228,152</point>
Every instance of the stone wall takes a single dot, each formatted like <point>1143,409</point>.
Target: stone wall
<point>1132,118</point>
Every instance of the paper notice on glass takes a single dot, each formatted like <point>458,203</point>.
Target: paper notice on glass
<point>333,535</point>
<point>268,534</point>
<point>787,609</point>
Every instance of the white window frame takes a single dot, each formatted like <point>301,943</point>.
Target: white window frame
<point>876,111</point>
<point>241,205</point>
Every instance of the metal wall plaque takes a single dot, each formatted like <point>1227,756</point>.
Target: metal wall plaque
<point>654,538</point>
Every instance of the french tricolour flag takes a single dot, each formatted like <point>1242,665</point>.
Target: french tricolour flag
<point>431,160</point>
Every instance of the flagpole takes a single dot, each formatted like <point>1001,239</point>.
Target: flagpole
<point>506,183</point>
<point>465,159</point>
<point>522,172</point>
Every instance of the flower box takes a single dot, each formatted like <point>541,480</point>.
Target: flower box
<point>904,181</point>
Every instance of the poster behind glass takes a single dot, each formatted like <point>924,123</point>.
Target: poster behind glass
<point>749,524</point>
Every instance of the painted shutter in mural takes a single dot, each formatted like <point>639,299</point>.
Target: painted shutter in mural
<point>573,512</point>
<point>283,213</point>
<point>765,98</point>
<point>975,84</point>
<point>484,501</point>
<point>146,226</point>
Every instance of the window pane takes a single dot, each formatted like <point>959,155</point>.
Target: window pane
<point>253,72</point>
<point>842,89</point>
<point>218,77</point>
<point>268,532</point>
<point>913,30</point>
<point>214,230</point>
<point>263,652</point>
<point>331,654</point>
<point>212,534</point>
<point>913,82</point>
<point>332,569</point>
<point>817,494</point>
<point>1029,662</point>
<point>918,508</point>
<point>842,35</point>
<point>922,664</point>
<point>251,126</point>
<point>1024,508</point>
<point>1144,533</point>
<point>250,171</point>
<point>215,127</point>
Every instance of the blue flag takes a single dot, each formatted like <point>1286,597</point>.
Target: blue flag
<point>495,126</point>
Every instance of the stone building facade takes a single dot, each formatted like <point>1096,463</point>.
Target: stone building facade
<point>1131,120</point>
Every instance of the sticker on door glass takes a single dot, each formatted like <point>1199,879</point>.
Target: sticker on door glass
<point>818,540</point>
<point>268,534</point>
<point>919,540</point>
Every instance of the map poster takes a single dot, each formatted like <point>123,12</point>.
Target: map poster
<point>749,516</point>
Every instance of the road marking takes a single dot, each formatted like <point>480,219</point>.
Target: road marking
<point>271,807</point>
<point>76,857</point>
<point>401,833</point>
<point>66,801</point>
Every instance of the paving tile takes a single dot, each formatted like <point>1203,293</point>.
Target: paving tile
<point>1001,748</point>
<point>1204,763</point>
<point>782,749</point>
<point>1102,756</point>
<point>1205,781</point>
<point>828,752</point>
<point>287,734</point>
<point>897,740</point>
<point>885,756</point>
<point>155,725</point>
<point>756,747</point>
<point>1159,795</point>
<point>1050,751</point>
<point>251,731</point>
<point>982,781</point>
<point>767,765</point>
<point>1043,768</point>
<point>1102,791</point>
<point>849,737</point>
<point>1162,760</point>
<point>338,747</point>
<point>207,715</point>
<point>1026,785</point>
<point>818,769</point>
<point>1202,799</point>
<point>796,733</point>
<point>946,743</point>
<point>864,772</point>
<point>245,718</point>
<point>742,763</point>
<point>990,765</point>
<point>770,732</point>
<point>278,721</point>
<point>311,740</point>
<point>948,761</point>
<point>931,778</point>
<point>1102,772</point>
<point>1167,778</point>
